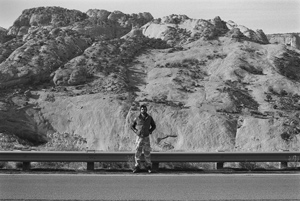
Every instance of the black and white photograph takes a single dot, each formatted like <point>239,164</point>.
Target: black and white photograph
<point>149,100</point>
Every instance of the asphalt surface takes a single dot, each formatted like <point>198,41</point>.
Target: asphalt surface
<point>149,187</point>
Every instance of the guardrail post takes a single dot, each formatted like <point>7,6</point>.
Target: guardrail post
<point>220,165</point>
<point>283,165</point>
<point>26,166</point>
<point>90,166</point>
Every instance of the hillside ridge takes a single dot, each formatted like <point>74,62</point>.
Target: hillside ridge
<point>74,81</point>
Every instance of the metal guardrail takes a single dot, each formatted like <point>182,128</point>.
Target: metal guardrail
<point>157,157</point>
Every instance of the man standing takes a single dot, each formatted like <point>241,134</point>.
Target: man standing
<point>143,125</point>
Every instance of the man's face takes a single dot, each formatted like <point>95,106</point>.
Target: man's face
<point>143,110</point>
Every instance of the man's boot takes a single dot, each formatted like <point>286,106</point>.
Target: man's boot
<point>136,169</point>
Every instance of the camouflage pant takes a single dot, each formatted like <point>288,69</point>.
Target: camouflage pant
<point>143,144</point>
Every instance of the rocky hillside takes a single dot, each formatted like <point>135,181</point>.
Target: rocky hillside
<point>74,81</point>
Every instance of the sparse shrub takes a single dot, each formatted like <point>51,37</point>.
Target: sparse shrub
<point>250,50</point>
<point>115,165</point>
<point>65,142</point>
<point>175,64</point>
<point>270,165</point>
<point>242,98</point>
<point>287,65</point>
<point>271,90</point>
<point>190,60</point>
<point>188,166</point>
<point>50,98</point>
<point>286,136</point>
<point>209,57</point>
<point>50,165</point>
<point>283,92</point>
<point>294,161</point>
<point>252,69</point>
<point>9,165</point>
<point>10,142</point>
<point>2,164</point>
<point>19,165</point>
<point>130,162</point>
<point>60,165</point>
<point>207,166</point>
<point>256,166</point>
<point>248,165</point>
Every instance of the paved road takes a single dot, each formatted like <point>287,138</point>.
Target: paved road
<point>150,187</point>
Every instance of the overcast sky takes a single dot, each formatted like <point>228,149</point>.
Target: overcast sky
<point>272,16</point>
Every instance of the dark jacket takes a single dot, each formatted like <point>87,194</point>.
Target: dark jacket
<point>143,127</point>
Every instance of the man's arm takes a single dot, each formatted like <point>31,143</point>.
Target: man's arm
<point>153,126</point>
<point>133,125</point>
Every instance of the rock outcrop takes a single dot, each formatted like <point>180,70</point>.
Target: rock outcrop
<point>45,16</point>
<point>3,33</point>
<point>105,58</point>
<point>95,23</point>
<point>108,25</point>
<point>256,36</point>
<point>8,44</point>
<point>289,39</point>
<point>44,51</point>
<point>179,29</point>
<point>210,85</point>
